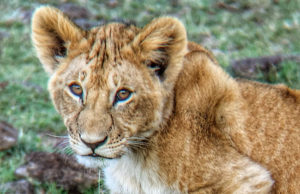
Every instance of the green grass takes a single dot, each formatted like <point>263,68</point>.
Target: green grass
<point>254,28</point>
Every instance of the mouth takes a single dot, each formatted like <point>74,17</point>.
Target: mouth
<point>107,151</point>
<point>94,155</point>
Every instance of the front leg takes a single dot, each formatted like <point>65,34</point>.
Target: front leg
<point>229,172</point>
<point>245,176</point>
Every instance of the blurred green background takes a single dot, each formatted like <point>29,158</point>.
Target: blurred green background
<point>231,29</point>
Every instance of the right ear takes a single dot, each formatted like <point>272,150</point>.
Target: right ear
<point>52,35</point>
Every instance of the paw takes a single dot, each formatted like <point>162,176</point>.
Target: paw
<point>249,177</point>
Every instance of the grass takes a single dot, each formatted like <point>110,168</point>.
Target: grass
<point>242,29</point>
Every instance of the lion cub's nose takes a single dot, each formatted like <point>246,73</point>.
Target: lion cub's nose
<point>93,144</point>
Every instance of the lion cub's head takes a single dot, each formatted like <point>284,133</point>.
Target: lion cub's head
<point>113,85</point>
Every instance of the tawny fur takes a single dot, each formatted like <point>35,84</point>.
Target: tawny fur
<point>188,127</point>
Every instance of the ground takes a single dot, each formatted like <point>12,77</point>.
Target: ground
<point>231,29</point>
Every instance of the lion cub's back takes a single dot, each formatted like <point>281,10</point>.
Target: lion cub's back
<point>273,129</point>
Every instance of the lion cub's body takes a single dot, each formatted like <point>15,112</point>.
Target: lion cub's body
<point>187,126</point>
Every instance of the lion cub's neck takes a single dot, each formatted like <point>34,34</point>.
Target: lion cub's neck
<point>133,173</point>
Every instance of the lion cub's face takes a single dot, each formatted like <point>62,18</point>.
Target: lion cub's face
<point>113,85</point>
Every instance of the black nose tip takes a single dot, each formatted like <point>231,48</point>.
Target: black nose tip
<point>94,145</point>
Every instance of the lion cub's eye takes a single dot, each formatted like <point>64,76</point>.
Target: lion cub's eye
<point>76,89</point>
<point>122,95</point>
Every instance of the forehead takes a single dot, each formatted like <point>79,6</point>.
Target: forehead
<point>106,43</point>
<point>101,56</point>
<point>112,74</point>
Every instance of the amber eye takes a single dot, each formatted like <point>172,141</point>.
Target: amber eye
<point>76,89</point>
<point>122,95</point>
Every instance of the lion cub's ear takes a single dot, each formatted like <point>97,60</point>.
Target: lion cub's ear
<point>162,45</point>
<point>52,34</point>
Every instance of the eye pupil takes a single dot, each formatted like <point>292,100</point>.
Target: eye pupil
<point>76,89</point>
<point>123,94</point>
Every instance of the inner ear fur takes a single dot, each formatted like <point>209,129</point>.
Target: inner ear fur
<point>52,34</point>
<point>162,45</point>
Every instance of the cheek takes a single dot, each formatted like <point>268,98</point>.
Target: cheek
<point>68,110</point>
<point>64,103</point>
<point>145,108</point>
<point>140,114</point>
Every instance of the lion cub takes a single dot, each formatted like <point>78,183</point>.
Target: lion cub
<point>160,116</point>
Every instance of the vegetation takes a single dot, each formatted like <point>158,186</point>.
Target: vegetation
<point>231,29</point>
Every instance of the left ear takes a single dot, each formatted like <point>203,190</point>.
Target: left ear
<point>162,45</point>
<point>52,35</point>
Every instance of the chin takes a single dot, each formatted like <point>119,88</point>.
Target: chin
<point>92,162</point>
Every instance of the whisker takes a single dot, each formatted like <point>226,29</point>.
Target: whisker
<point>142,141</point>
<point>137,138</point>
<point>61,150</point>
<point>68,151</point>
<point>64,141</point>
<point>137,145</point>
<point>61,145</point>
<point>138,142</point>
<point>57,136</point>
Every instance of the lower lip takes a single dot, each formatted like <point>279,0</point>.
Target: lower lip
<point>97,156</point>
<point>94,155</point>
